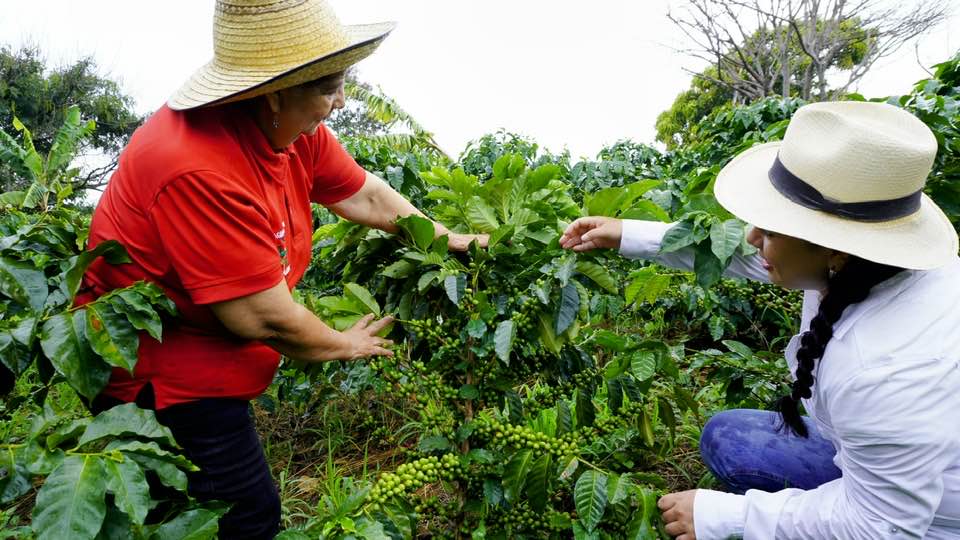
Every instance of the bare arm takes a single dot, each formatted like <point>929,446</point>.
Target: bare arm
<point>379,205</point>
<point>273,317</point>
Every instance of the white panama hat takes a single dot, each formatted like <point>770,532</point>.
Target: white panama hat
<point>848,176</point>
<point>261,46</point>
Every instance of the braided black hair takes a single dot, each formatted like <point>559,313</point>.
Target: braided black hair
<point>850,285</point>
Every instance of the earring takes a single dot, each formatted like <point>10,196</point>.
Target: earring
<point>276,121</point>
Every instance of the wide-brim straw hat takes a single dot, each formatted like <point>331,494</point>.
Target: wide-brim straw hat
<point>847,176</point>
<point>261,46</point>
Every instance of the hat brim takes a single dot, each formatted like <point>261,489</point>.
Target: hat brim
<point>215,85</point>
<point>922,241</point>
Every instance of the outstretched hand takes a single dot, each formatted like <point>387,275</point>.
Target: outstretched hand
<point>461,242</point>
<point>677,512</point>
<point>363,341</point>
<point>595,232</point>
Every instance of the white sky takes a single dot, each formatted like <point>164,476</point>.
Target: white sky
<point>568,73</point>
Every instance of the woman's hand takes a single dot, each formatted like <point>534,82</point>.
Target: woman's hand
<point>461,242</point>
<point>677,512</point>
<point>362,339</point>
<point>592,232</point>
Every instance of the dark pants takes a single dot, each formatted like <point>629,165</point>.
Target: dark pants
<point>218,436</point>
<point>744,450</point>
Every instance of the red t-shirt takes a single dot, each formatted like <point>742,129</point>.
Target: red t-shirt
<point>210,212</point>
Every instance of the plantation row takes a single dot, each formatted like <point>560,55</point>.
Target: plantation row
<point>534,392</point>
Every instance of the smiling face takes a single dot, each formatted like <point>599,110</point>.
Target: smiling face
<point>794,263</point>
<point>301,109</point>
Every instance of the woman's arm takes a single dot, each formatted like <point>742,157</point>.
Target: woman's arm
<point>273,317</point>
<point>379,205</point>
<point>636,239</point>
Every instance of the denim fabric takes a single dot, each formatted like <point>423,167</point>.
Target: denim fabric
<point>744,449</point>
<point>218,436</point>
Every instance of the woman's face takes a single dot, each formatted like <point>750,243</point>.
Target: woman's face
<point>300,110</point>
<point>794,263</point>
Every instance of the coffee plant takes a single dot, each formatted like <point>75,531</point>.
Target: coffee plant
<point>98,474</point>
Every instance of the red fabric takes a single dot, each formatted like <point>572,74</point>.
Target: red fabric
<point>208,211</point>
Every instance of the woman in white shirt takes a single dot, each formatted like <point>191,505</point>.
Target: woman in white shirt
<point>838,211</point>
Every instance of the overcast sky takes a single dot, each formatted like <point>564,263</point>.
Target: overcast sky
<point>569,74</point>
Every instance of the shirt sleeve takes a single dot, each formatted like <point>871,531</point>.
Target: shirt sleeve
<point>641,240</point>
<point>336,175</point>
<point>217,237</point>
<point>898,436</point>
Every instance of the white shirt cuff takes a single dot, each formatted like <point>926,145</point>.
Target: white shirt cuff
<point>718,515</point>
<point>641,239</point>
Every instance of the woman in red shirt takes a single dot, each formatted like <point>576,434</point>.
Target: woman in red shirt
<point>212,202</point>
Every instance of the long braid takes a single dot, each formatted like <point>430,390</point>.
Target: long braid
<point>851,285</point>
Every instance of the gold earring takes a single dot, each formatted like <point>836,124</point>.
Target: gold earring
<point>276,121</point>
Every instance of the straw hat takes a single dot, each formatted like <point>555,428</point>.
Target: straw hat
<point>262,46</point>
<point>848,176</point>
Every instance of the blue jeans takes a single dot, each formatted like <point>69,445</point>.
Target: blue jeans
<point>744,450</point>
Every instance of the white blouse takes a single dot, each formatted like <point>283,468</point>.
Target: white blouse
<point>886,391</point>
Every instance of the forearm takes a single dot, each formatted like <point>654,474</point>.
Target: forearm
<point>303,336</point>
<point>378,205</point>
<point>273,317</point>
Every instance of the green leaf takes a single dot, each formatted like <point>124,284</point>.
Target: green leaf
<point>151,456</point>
<point>738,348</point>
<point>434,443</point>
<point>646,210</point>
<point>564,419</point>
<point>677,237</point>
<point>586,410</point>
<point>600,275</point>
<point>63,339</point>
<point>708,267</point>
<point>605,202</point>
<point>469,391</point>
<point>71,502</point>
<point>580,532</point>
<point>426,280</point>
<point>362,295</point>
<point>492,492</point>
<point>590,498</point>
<point>455,286</point>
<point>725,238</point>
<point>503,340</point>
<point>641,527</point>
<point>14,483</point>
<point>129,487</point>
<point>548,337</point>
<point>112,336</point>
<point>538,483</point>
<point>647,285</point>
<point>111,249</point>
<point>480,216</point>
<point>399,269</point>
<point>667,416</point>
<point>619,487</point>
<point>23,283</point>
<point>126,420</point>
<point>643,364</point>
<point>199,524</point>
<point>116,526</point>
<point>568,308</point>
<point>515,475</point>
<point>418,230</point>
<point>476,328</point>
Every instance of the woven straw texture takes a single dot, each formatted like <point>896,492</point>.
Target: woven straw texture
<point>849,152</point>
<point>262,46</point>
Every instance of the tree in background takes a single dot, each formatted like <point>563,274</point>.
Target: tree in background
<point>40,98</point>
<point>675,126</point>
<point>795,48</point>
